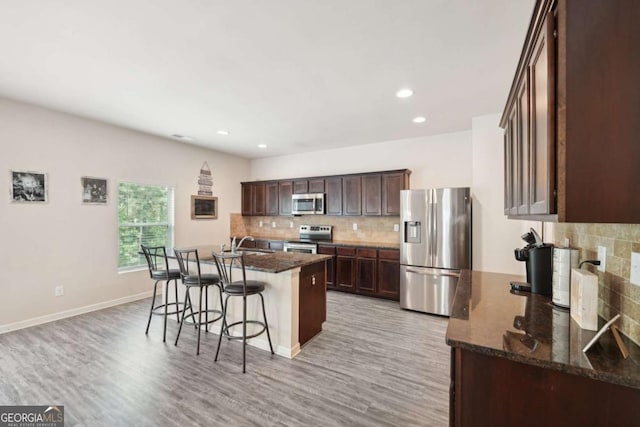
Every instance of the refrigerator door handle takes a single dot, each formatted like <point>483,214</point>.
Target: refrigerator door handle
<point>431,272</point>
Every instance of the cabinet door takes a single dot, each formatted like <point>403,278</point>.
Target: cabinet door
<point>258,199</point>
<point>392,183</point>
<point>333,199</point>
<point>246,200</point>
<point>329,250</point>
<point>542,72</point>
<point>301,186</point>
<point>515,171</point>
<point>312,306</point>
<point>372,195</point>
<point>507,169</point>
<point>316,186</point>
<point>352,195</point>
<point>389,274</point>
<point>366,269</point>
<point>285,189</point>
<point>346,269</point>
<point>522,139</point>
<point>271,199</point>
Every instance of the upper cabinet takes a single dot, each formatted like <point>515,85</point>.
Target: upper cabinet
<point>371,194</point>
<point>571,149</point>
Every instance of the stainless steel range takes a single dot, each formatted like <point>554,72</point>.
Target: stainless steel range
<point>310,236</point>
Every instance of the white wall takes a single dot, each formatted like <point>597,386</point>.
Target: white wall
<point>494,236</point>
<point>436,161</point>
<point>66,243</point>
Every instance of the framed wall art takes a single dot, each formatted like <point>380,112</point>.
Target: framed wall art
<point>94,190</point>
<point>28,187</point>
<point>204,207</point>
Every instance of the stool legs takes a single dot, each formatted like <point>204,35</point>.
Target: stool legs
<point>153,303</point>
<point>224,327</point>
<point>187,300</point>
<point>175,288</point>
<point>244,334</point>
<point>266,325</point>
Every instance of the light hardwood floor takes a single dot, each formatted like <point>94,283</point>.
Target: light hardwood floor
<point>373,365</point>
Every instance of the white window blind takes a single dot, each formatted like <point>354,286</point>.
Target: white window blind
<point>145,217</point>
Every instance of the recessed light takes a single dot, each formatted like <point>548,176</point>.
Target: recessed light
<point>419,119</point>
<point>404,93</point>
<point>223,132</point>
<point>262,145</point>
<point>181,137</point>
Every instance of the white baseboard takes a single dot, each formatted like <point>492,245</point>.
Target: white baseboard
<point>73,312</point>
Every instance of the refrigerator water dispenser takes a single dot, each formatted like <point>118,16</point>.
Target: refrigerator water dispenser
<point>412,231</point>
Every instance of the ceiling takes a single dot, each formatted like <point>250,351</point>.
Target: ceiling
<point>297,75</point>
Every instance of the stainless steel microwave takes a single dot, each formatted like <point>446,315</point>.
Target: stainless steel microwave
<point>307,204</point>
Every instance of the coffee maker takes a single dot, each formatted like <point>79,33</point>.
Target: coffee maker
<point>538,258</point>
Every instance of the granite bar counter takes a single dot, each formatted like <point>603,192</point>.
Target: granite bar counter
<point>295,296</point>
<point>517,360</point>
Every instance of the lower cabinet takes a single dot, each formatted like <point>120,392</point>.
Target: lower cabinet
<point>313,301</point>
<point>363,270</point>
<point>346,269</point>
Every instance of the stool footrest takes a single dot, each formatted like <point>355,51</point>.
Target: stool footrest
<point>190,319</point>
<point>156,310</point>
<point>225,331</point>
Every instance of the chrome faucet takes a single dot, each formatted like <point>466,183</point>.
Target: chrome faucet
<point>234,247</point>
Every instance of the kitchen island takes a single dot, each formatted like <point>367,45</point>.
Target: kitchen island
<point>294,297</point>
<point>517,360</point>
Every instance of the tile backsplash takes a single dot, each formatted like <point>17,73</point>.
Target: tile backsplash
<point>615,293</point>
<point>370,229</point>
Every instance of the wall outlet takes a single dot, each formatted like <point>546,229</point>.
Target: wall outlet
<point>635,268</point>
<point>260,224</point>
<point>355,227</point>
<point>566,242</point>
<point>59,291</point>
<point>396,227</point>
<point>273,224</point>
<point>602,257</point>
<point>290,224</point>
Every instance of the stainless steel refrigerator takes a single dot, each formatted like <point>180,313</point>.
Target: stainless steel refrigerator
<point>435,245</point>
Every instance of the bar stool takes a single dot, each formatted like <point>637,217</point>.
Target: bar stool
<point>193,278</point>
<point>242,288</point>
<point>157,259</point>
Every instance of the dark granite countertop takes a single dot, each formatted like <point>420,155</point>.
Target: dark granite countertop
<point>266,261</point>
<point>488,317</point>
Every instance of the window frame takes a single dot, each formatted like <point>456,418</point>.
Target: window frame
<point>170,223</point>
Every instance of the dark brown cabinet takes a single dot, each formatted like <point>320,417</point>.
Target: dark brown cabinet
<point>285,190</point>
<point>313,301</point>
<point>253,198</point>
<point>372,195</point>
<point>346,269</point>
<point>301,186</point>
<point>329,250</point>
<point>369,194</point>
<point>366,271</point>
<point>580,118</point>
<point>352,195</point>
<point>389,274</point>
<point>272,200</point>
<point>392,183</point>
<point>333,197</point>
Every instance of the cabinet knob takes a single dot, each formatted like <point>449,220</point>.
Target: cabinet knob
<point>313,280</point>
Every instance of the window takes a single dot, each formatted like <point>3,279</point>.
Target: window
<point>145,217</point>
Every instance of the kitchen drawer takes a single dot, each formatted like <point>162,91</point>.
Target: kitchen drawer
<point>367,253</point>
<point>346,251</point>
<point>326,250</point>
<point>392,254</point>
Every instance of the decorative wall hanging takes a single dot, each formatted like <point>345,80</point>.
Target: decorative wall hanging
<point>204,207</point>
<point>205,181</point>
<point>28,187</point>
<point>94,190</point>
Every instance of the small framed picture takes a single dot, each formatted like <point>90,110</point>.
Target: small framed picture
<point>204,207</point>
<point>94,190</point>
<point>28,187</point>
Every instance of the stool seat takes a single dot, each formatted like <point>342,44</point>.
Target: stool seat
<point>204,279</point>
<point>237,288</point>
<point>165,274</point>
